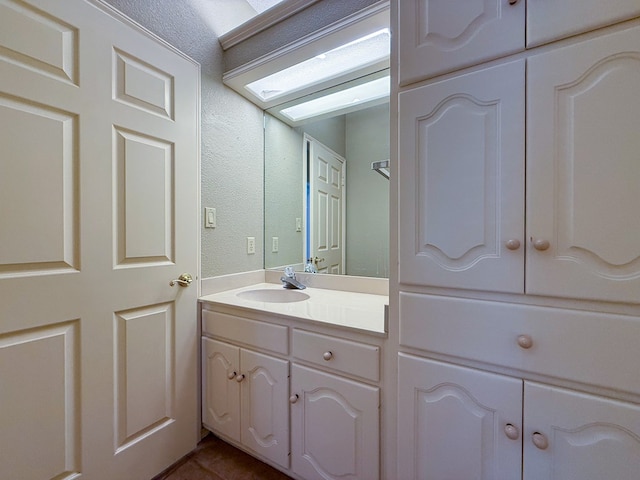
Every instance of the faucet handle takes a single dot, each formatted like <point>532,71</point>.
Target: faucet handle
<point>288,271</point>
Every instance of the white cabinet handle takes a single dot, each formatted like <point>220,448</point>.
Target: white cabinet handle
<point>539,440</point>
<point>541,245</point>
<point>240,377</point>
<point>525,341</point>
<point>293,398</point>
<point>513,244</point>
<point>511,431</point>
<point>327,355</point>
<point>231,375</point>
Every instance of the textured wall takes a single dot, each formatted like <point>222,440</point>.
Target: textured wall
<point>232,128</point>
<point>367,193</point>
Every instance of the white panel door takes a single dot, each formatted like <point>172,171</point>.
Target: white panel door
<point>548,20</point>
<point>265,405</point>
<point>583,171</point>
<point>461,150</point>
<point>335,432</point>
<point>437,36</point>
<point>327,186</point>
<point>571,435</point>
<point>457,423</point>
<point>98,212</point>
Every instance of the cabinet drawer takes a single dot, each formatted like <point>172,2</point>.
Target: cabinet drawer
<point>586,347</point>
<point>248,332</point>
<point>547,21</point>
<point>337,354</point>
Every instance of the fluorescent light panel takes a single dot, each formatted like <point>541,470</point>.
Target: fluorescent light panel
<point>350,97</point>
<point>352,56</point>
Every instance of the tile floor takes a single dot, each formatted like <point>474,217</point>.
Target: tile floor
<point>214,459</point>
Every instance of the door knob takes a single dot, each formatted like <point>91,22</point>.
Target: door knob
<point>539,440</point>
<point>511,431</point>
<point>318,260</point>
<point>513,244</point>
<point>541,245</point>
<point>183,280</point>
<point>525,341</point>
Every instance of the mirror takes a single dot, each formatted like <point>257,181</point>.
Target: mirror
<point>360,137</point>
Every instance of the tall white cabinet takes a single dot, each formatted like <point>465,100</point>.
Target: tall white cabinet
<point>518,239</point>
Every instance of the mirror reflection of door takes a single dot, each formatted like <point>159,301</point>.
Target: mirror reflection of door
<point>326,207</point>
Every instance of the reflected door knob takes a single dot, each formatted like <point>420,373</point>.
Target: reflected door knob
<point>183,280</point>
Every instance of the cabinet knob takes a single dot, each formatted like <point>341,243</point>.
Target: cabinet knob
<point>513,244</point>
<point>525,341</point>
<point>511,431</point>
<point>240,377</point>
<point>539,440</point>
<point>293,398</point>
<point>327,355</point>
<point>231,375</point>
<point>541,245</point>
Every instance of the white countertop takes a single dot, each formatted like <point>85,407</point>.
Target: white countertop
<point>362,311</point>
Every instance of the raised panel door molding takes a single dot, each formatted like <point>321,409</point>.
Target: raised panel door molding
<point>221,394</point>
<point>265,409</point>
<point>583,196</point>
<point>334,427</point>
<point>451,422</point>
<point>439,36</point>
<point>588,437</point>
<point>462,168</point>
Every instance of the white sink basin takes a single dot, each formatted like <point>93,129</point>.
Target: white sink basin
<point>273,296</point>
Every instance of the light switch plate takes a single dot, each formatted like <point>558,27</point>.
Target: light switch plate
<point>210,217</point>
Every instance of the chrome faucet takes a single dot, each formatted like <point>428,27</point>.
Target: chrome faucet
<point>289,279</point>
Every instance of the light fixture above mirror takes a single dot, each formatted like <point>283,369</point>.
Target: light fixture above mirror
<point>354,47</point>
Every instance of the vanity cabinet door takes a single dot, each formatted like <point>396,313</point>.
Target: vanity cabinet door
<point>220,390</point>
<point>334,427</point>
<point>571,435</point>
<point>456,422</point>
<point>461,150</point>
<point>437,36</point>
<point>265,409</point>
<point>583,171</point>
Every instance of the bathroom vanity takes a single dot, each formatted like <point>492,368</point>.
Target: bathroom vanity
<point>294,377</point>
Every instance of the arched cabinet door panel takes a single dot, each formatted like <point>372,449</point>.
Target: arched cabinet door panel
<point>582,169</point>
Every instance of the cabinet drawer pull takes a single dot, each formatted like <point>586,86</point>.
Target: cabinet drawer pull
<point>539,440</point>
<point>513,244</point>
<point>293,398</point>
<point>240,377</point>
<point>231,375</point>
<point>511,431</point>
<point>327,355</point>
<point>513,2</point>
<point>525,341</point>
<point>541,245</point>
